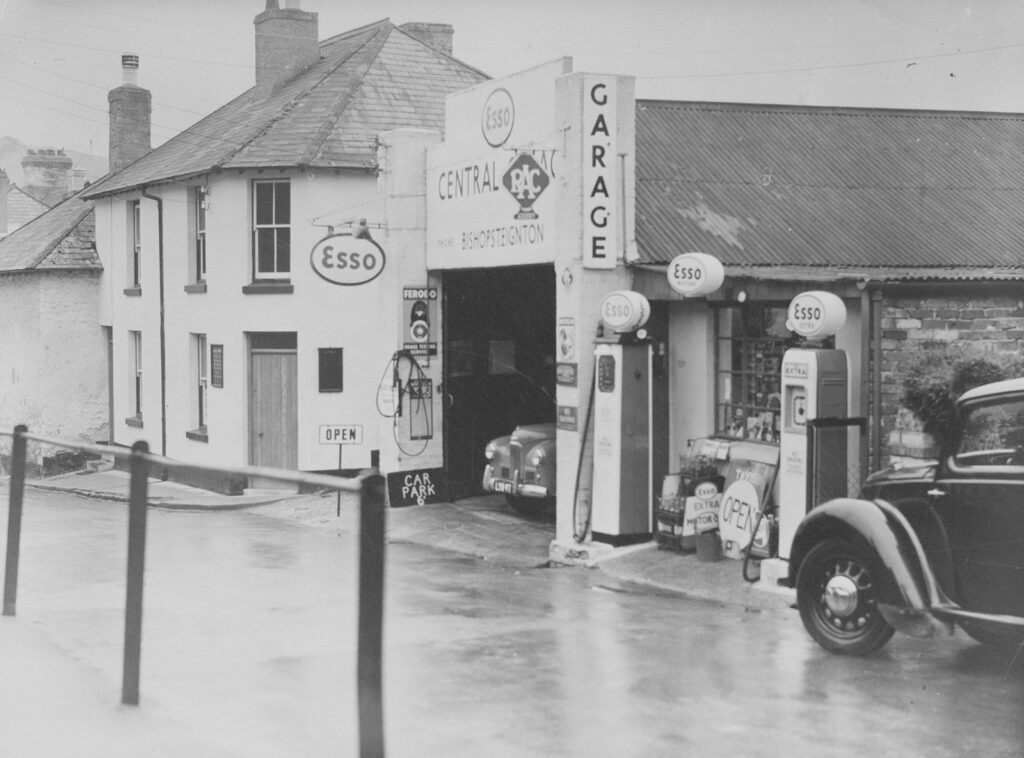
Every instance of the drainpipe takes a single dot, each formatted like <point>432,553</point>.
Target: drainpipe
<point>163,332</point>
<point>876,328</point>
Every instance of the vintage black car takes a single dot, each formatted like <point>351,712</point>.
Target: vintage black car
<point>925,548</point>
<point>521,466</point>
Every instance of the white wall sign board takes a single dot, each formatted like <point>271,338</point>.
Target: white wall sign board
<point>492,185</point>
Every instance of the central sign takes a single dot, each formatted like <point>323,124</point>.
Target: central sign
<point>493,185</point>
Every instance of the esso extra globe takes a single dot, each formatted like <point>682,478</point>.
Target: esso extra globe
<point>816,315</point>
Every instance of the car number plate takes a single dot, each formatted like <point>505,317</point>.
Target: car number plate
<point>500,485</point>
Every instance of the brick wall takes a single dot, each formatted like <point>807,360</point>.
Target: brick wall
<point>971,322</point>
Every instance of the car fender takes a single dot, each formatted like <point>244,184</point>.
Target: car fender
<point>905,578</point>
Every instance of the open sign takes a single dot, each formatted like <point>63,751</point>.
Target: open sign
<point>347,260</point>
<point>341,434</point>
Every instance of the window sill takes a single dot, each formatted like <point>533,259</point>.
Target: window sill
<point>269,287</point>
<point>199,435</point>
<point>135,421</point>
<point>195,288</point>
<point>133,291</point>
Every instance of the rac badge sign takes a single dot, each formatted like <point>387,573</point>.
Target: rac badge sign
<point>347,260</point>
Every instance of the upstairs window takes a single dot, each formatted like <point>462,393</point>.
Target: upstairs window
<point>134,237</point>
<point>199,204</point>
<point>271,229</point>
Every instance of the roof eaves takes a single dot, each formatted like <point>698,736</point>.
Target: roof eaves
<point>60,237</point>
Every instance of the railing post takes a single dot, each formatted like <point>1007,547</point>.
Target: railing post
<point>371,616</point>
<point>137,496</point>
<point>17,499</point>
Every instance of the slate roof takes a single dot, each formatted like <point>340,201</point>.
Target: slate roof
<point>367,81</point>
<point>891,194</point>
<point>63,237</point>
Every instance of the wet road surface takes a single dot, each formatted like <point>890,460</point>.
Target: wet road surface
<point>250,635</point>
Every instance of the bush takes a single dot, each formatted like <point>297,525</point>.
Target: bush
<point>935,380</point>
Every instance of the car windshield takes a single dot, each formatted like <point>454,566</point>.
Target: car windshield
<point>991,428</point>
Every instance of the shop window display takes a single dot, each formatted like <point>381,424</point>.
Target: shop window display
<point>750,342</point>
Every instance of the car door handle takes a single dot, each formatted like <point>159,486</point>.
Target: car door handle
<point>936,492</point>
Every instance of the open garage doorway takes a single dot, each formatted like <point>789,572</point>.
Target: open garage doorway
<point>499,347</point>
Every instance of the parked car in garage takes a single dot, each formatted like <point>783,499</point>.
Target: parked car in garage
<point>927,548</point>
<point>521,466</point>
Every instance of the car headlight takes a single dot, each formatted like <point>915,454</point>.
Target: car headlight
<point>536,457</point>
<point>489,450</point>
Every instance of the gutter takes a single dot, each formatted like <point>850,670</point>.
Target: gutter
<point>163,327</point>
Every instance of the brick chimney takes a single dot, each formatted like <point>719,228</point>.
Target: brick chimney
<point>130,109</point>
<point>47,174</point>
<point>5,185</point>
<point>438,36</point>
<point>287,42</point>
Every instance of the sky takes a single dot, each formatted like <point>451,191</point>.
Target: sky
<point>59,58</point>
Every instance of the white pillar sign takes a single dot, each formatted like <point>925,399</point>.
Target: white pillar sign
<point>601,191</point>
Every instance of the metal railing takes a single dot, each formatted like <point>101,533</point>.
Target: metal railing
<point>370,488</point>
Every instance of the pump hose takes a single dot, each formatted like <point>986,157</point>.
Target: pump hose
<point>579,468</point>
<point>746,551</point>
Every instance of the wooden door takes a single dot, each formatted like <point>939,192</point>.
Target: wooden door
<point>274,429</point>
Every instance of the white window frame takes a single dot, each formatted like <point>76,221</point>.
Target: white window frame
<point>134,243</point>
<point>135,369</point>
<point>200,381</point>
<point>199,208</point>
<point>279,226</point>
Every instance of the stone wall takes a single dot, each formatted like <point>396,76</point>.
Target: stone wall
<point>988,323</point>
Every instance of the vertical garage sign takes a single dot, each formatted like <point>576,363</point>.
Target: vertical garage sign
<point>601,191</point>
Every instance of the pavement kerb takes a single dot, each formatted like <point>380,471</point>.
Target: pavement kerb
<point>199,501</point>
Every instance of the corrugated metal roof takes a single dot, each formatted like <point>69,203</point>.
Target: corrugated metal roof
<point>368,80</point>
<point>807,186</point>
<point>63,237</point>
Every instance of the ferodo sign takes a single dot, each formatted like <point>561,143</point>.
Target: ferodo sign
<point>347,260</point>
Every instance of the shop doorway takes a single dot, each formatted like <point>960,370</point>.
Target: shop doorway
<point>273,409</point>
<point>499,346</point>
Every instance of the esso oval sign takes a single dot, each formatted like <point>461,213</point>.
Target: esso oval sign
<point>705,490</point>
<point>695,274</point>
<point>497,117</point>
<point>625,310</point>
<point>347,260</point>
<point>815,315</point>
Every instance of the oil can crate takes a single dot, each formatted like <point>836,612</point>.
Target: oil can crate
<point>670,522</point>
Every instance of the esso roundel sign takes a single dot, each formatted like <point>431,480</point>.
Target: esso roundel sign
<point>695,274</point>
<point>497,117</point>
<point>625,311</point>
<point>347,260</point>
<point>815,315</point>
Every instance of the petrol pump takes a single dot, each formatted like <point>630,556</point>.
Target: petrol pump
<point>814,386</point>
<point>621,510</point>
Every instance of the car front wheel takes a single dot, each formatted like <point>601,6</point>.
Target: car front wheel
<point>838,599</point>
